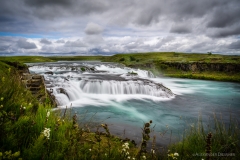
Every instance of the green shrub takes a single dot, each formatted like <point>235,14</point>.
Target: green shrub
<point>132,58</point>
<point>122,59</point>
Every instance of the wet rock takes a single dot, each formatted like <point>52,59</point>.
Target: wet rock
<point>50,72</point>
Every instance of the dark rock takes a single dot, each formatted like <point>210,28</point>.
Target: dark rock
<point>50,72</point>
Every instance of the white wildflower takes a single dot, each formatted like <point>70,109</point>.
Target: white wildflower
<point>144,157</point>
<point>24,108</point>
<point>153,151</point>
<point>129,157</point>
<point>46,132</point>
<point>90,149</point>
<point>127,153</point>
<point>176,154</point>
<point>133,158</point>
<point>48,114</point>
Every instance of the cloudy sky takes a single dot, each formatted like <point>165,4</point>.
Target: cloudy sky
<point>106,27</point>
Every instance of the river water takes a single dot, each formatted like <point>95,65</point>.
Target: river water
<point>126,98</point>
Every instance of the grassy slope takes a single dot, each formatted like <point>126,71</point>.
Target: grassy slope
<point>153,62</point>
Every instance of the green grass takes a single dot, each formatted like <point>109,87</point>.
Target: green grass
<point>25,59</point>
<point>224,140</point>
<point>174,57</point>
<point>161,64</point>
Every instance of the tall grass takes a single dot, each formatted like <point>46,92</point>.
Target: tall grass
<point>225,140</point>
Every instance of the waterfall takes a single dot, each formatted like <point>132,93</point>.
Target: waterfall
<point>81,82</point>
<point>123,87</point>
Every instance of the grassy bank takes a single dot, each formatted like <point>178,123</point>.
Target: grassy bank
<point>162,64</point>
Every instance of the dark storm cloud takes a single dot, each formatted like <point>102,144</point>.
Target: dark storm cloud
<point>50,9</point>
<point>23,43</point>
<point>218,13</point>
<point>225,32</point>
<point>48,2</point>
<point>225,15</point>
<point>196,8</point>
<point>148,16</point>
<point>45,41</point>
<point>234,45</point>
<point>181,29</point>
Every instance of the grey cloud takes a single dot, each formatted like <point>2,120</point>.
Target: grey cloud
<point>94,39</point>
<point>181,29</point>
<point>14,17</point>
<point>184,9</point>
<point>93,28</point>
<point>234,45</point>
<point>148,16</point>
<point>51,9</point>
<point>7,44</point>
<point>163,41</point>
<point>4,47</point>
<point>98,51</point>
<point>124,12</point>
<point>48,2</point>
<point>45,41</point>
<point>225,32</point>
<point>57,54</point>
<point>23,43</point>
<point>60,41</point>
<point>77,43</point>
<point>225,15</point>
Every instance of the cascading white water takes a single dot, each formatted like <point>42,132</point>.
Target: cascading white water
<point>78,81</point>
<point>123,87</point>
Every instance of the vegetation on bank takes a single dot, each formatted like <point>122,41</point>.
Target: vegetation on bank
<point>182,65</point>
<point>172,64</point>
<point>30,130</point>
